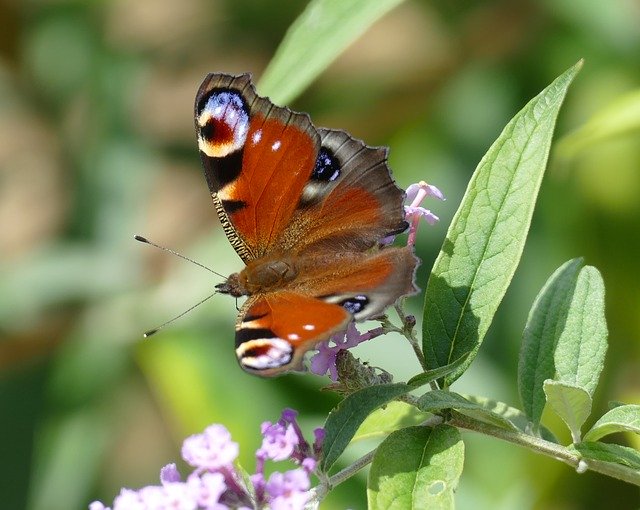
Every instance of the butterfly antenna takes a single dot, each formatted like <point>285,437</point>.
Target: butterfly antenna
<point>155,330</point>
<point>146,241</point>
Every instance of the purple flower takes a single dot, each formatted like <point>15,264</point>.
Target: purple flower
<point>128,500</point>
<point>318,434</point>
<point>325,359</point>
<point>216,485</point>
<point>278,441</point>
<point>289,491</point>
<point>171,496</point>
<point>207,489</point>
<point>420,190</point>
<point>210,450</point>
<point>413,211</point>
<point>97,505</point>
<point>169,474</point>
<point>416,193</point>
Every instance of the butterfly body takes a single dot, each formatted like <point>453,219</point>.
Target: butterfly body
<point>305,208</point>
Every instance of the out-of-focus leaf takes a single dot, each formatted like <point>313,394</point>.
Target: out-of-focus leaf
<point>343,422</point>
<point>544,326</point>
<point>571,403</point>
<point>486,237</point>
<point>618,118</point>
<point>314,40</point>
<point>73,445</point>
<point>625,418</point>
<point>416,467</point>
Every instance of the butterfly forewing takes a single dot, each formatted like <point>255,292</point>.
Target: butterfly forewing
<point>256,156</point>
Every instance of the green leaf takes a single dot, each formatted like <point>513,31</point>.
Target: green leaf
<point>610,453</point>
<point>394,416</point>
<point>546,322</point>
<point>579,355</point>
<point>486,237</point>
<point>438,400</point>
<point>343,422</point>
<point>436,373</point>
<point>618,118</point>
<point>515,416</point>
<point>323,30</point>
<point>416,468</point>
<point>571,403</point>
<point>625,418</point>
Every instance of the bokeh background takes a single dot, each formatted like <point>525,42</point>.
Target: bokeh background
<point>97,143</point>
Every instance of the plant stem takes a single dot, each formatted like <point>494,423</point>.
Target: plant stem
<point>538,445</point>
<point>408,332</point>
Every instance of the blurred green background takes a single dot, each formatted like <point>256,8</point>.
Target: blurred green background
<point>97,143</point>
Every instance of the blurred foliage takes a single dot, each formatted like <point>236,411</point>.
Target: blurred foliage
<point>96,144</point>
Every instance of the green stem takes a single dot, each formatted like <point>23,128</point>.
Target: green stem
<point>538,445</point>
<point>408,332</point>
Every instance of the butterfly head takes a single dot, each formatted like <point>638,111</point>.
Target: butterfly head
<point>232,286</point>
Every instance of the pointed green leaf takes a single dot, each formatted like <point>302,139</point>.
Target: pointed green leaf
<point>394,416</point>
<point>416,468</point>
<point>486,237</point>
<point>608,452</point>
<point>579,356</point>
<point>625,418</point>
<point>323,30</point>
<point>438,400</point>
<point>343,422</point>
<point>436,373</point>
<point>515,416</point>
<point>546,322</point>
<point>571,403</point>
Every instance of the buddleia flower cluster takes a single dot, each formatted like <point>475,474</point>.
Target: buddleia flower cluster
<point>216,483</point>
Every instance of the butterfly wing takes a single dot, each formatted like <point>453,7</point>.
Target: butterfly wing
<point>257,158</point>
<point>276,329</point>
<point>351,201</point>
<point>279,184</point>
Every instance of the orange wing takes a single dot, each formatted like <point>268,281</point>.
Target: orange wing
<point>281,185</point>
<point>257,158</point>
<point>276,329</point>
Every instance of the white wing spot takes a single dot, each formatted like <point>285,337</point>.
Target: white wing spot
<point>309,327</point>
<point>276,145</point>
<point>256,136</point>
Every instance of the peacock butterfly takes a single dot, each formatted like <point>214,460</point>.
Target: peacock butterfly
<point>305,208</point>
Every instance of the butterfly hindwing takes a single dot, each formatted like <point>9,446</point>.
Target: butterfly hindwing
<point>276,329</point>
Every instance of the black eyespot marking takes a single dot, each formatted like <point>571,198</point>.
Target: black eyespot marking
<point>355,304</point>
<point>327,167</point>
<point>246,334</point>
<point>231,206</point>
